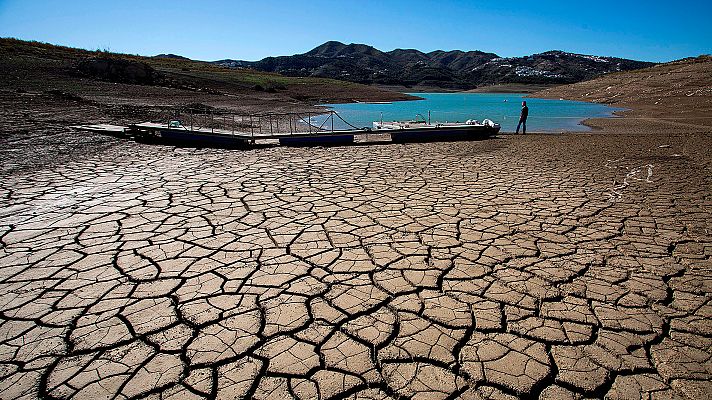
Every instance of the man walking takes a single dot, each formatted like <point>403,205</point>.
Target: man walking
<point>523,118</point>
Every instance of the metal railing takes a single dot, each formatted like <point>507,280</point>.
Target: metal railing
<point>255,125</point>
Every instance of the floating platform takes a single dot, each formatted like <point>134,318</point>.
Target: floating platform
<point>103,128</point>
<point>151,131</point>
<point>222,137</point>
<point>400,132</point>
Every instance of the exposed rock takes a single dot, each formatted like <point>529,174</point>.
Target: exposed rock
<point>118,70</point>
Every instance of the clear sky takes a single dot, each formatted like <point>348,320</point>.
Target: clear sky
<point>650,30</point>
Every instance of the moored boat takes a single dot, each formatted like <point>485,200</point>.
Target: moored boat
<point>422,131</point>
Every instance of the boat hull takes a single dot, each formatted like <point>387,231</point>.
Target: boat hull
<point>324,140</point>
<point>188,138</point>
<point>442,134</point>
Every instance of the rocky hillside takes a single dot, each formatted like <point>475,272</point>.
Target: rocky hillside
<point>444,69</point>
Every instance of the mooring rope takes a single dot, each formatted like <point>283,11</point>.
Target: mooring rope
<point>309,122</point>
<point>327,119</point>
<point>345,121</point>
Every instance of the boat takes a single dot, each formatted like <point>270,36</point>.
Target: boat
<point>421,130</point>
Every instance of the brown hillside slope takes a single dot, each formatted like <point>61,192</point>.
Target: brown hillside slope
<point>675,94</point>
<point>33,66</point>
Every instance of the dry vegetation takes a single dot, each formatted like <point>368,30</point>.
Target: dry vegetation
<point>33,66</point>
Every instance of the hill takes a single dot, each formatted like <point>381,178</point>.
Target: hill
<point>169,55</point>
<point>679,92</point>
<point>441,69</point>
<point>165,79</point>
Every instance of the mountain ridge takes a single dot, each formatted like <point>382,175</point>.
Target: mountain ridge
<point>447,69</point>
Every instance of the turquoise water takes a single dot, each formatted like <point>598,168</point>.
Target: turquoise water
<point>544,115</point>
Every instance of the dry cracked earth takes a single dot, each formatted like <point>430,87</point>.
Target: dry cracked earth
<point>556,267</point>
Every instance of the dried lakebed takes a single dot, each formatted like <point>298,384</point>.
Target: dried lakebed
<point>526,267</point>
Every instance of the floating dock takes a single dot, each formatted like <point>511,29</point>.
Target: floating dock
<point>219,136</point>
<point>103,128</point>
<point>295,130</point>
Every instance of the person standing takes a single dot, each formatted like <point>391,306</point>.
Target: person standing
<point>523,118</point>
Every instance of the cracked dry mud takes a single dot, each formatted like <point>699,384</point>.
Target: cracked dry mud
<point>546,267</point>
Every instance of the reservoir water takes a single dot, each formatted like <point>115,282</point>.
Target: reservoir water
<point>544,115</point>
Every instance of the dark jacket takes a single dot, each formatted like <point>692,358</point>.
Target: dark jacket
<point>525,113</point>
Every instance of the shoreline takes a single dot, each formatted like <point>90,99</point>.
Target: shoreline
<point>582,122</point>
<point>672,95</point>
<point>506,88</point>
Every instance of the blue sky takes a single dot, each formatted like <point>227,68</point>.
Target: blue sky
<point>250,30</point>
